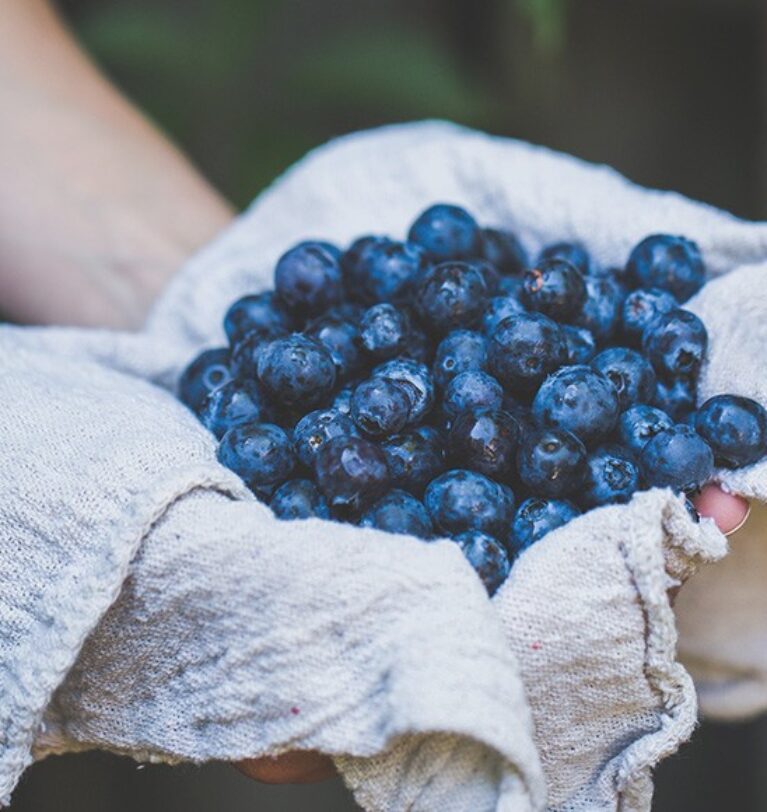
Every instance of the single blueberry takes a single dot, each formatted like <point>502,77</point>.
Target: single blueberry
<point>352,268</point>
<point>414,458</point>
<point>459,351</point>
<point>573,252</point>
<point>208,371</point>
<point>307,279</point>
<point>551,462</point>
<point>640,309</point>
<point>315,429</point>
<point>510,286</point>
<point>261,313</point>
<point>498,309</point>
<point>351,473</point>
<point>490,275</point>
<point>445,232</point>
<point>536,517</point>
<point>640,423</point>
<point>503,250</point>
<point>736,429</point>
<point>579,400</point>
<point>417,382</point>
<point>676,458</point>
<point>555,288</point>
<point>299,499</point>
<point>524,349</point>
<point>296,370</point>
<point>399,512</point>
<point>602,309</point>
<point>580,344</point>
<point>342,339</point>
<point>461,500</point>
<point>261,454</point>
<point>676,343</point>
<point>677,398</point>
<point>471,391</point>
<point>629,372</point>
<point>380,406</point>
<point>488,557</point>
<point>669,263</point>
<point>384,331</point>
<point>485,441</point>
<point>452,294</point>
<point>234,403</point>
<point>386,270</point>
<point>611,477</point>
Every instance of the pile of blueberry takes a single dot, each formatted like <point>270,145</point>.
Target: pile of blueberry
<point>446,387</point>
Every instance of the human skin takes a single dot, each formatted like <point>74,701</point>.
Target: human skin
<point>98,210</point>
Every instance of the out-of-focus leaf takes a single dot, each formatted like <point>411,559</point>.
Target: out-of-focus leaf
<point>548,18</point>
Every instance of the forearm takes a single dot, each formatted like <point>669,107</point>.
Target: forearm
<point>97,209</point>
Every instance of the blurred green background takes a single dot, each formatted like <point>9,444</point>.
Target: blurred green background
<point>671,92</point>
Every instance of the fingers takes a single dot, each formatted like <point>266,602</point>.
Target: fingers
<point>728,511</point>
<point>300,767</point>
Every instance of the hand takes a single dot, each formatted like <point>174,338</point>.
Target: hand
<point>728,511</point>
<point>300,767</point>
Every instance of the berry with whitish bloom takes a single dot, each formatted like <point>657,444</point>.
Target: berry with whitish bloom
<point>736,429</point>
<point>611,477</point>
<point>296,370</point>
<point>498,309</point>
<point>208,371</point>
<point>580,343</point>
<point>445,231</point>
<point>555,288</point>
<point>471,391</point>
<point>380,406</point>
<point>676,458</point>
<point>573,252</point>
<point>261,313</point>
<point>416,379</point>
<point>640,308</point>
<point>230,405</point>
<point>551,462</point>
<point>399,512</point>
<point>414,459</point>
<point>669,263</point>
<point>452,294</point>
<point>308,280</point>
<point>316,428</point>
<point>601,311</point>
<point>676,343</point>
<point>342,340</point>
<point>629,372</point>
<point>385,270</point>
<point>488,557</point>
<point>261,454</point>
<point>384,331</point>
<point>485,441</point>
<point>536,517</point>
<point>459,351</point>
<point>640,423</point>
<point>299,499</point>
<point>677,398</point>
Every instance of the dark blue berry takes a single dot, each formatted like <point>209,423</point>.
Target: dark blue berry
<point>261,313</point>
<point>380,406</point>
<point>676,458</point>
<point>208,371</point>
<point>736,429</point>
<point>462,500</point>
<point>399,512</point>
<point>555,288</point>
<point>343,400</point>
<point>452,294</point>
<point>640,309</point>
<point>234,403</point>
<point>572,252</point>
<point>510,286</point>
<point>417,382</point>
<point>386,270</point>
<point>299,499</point>
<point>420,346</point>
<point>488,557</point>
<point>536,517</point>
<point>315,429</point>
<point>580,344</point>
<point>503,250</point>
<point>498,309</point>
<point>459,351</point>
<point>551,462</point>
<point>351,473</point>
<point>676,342</point>
<point>261,454</point>
<point>677,398</point>
<point>524,349</point>
<point>342,339</point>
<point>669,263</point>
<point>485,441</point>
<point>414,458</point>
<point>640,423</point>
<point>352,268</point>
<point>445,232</point>
<point>611,477</point>
<point>308,279</point>
<point>432,434</point>
<point>471,391</point>
<point>296,370</point>
<point>629,372</point>
<point>580,400</point>
<point>602,309</point>
<point>384,331</point>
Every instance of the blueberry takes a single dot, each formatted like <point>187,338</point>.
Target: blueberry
<point>485,441</point>
<point>414,458</point>
<point>299,499</point>
<point>296,370</point>
<point>445,232</point>
<point>524,349</point>
<point>452,294</point>
<point>342,340</point>
<point>536,517</point>
<point>261,454</point>
<point>459,351</point>
<point>498,309</point>
<point>346,311</point>
<point>677,398</point>
<point>640,423</point>
<point>234,403</point>
<point>676,458</point>
<point>669,263</point>
<point>602,309</point>
<point>488,557</point>
<point>629,372</point>
<point>611,477</point>
<point>245,355</point>
<point>676,342</point>
<point>640,308</point>
<point>352,263</point>
<point>510,286</point>
<point>555,288</point>
<point>580,400</point>
<point>386,270</point>
<point>343,400</point>
<point>430,433</point>
<point>308,279</point>
<point>572,252</point>
<point>416,380</point>
<point>399,512</point>
<point>580,344</point>
<point>420,346</point>
<point>380,406</point>
<point>736,429</point>
<point>208,371</point>
<point>551,462</point>
<point>261,313</point>
<point>461,500</point>
<point>472,391</point>
<point>384,331</point>
<point>315,429</point>
<point>503,250</point>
